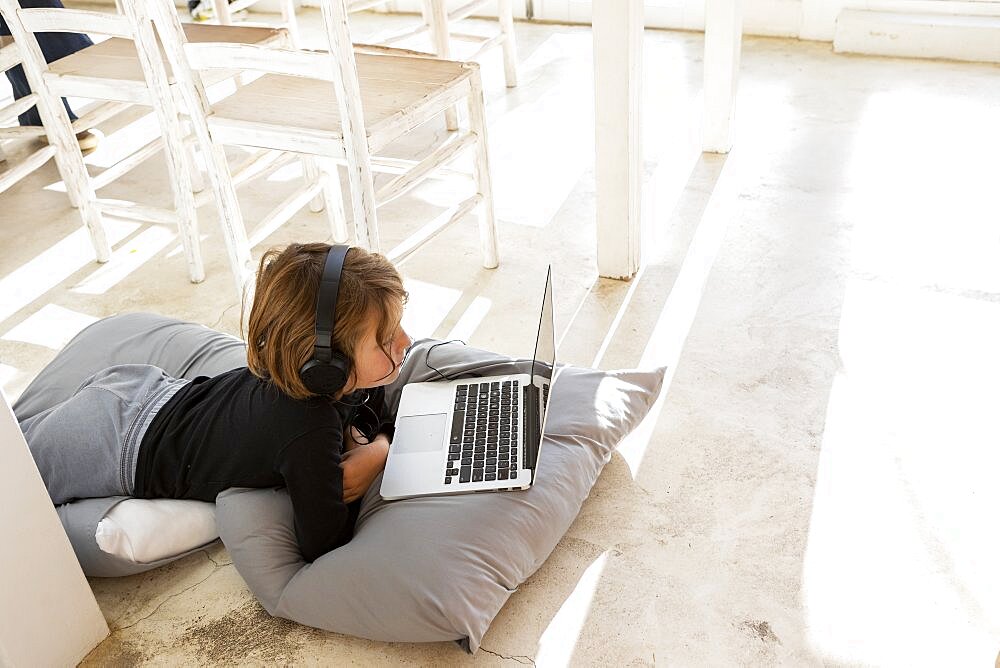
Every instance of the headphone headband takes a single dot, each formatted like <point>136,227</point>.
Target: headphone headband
<point>328,371</point>
<point>326,302</point>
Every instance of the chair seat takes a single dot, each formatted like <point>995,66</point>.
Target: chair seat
<point>397,94</point>
<point>116,60</point>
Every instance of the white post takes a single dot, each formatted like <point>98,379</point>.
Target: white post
<point>819,18</point>
<point>437,11</point>
<point>617,27</point>
<point>48,615</point>
<point>723,34</point>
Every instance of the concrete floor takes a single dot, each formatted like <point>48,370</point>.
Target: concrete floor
<point>818,484</point>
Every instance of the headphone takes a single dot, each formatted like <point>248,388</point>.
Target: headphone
<point>328,370</point>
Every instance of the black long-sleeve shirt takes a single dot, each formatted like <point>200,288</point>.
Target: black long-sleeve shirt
<point>236,430</point>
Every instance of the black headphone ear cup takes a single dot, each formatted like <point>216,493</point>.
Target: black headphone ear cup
<point>325,377</point>
<point>339,372</point>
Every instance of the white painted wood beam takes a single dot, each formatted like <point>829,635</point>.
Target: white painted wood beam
<point>723,37</point>
<point>617,29</point>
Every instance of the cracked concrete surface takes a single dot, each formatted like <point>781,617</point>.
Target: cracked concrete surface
<point>818,485</point>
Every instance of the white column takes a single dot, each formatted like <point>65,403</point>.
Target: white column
<point>48,615</point>
<point>819,18</point>
<point>617,26</point>
<point>723,35</point>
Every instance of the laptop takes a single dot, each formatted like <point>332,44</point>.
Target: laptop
<point>475,434</point>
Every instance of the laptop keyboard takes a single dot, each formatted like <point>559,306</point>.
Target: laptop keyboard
<point>484,433</point>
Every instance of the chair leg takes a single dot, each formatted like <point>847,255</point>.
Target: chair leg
<point>70,163</point>
<point>179,166</point>
<point>333,199</point>
<point>361,184</point>
<point>222,13</point>
<point>197,180</point>
<point>506,15</point>
<point>187,216</point>
<point>72,194</point>
<point>290,20</point>
<point>438,13</point>
<point>230,219</point>
<point>82,196</point>
<point>484,184</point>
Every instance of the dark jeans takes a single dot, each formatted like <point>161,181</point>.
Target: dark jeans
<point>54,45</point>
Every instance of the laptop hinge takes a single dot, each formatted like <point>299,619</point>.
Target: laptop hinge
<point>532,428</point>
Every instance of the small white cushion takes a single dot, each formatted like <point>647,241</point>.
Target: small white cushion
<point>147,530</point>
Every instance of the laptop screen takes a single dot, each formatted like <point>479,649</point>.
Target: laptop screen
<point>545,345</point>
<point>542,369</point>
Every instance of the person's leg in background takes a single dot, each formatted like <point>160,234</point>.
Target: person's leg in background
<point>204,10</point>
<point>54,45</point>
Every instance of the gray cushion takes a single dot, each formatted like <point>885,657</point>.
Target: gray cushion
<point>182,349</point>
<point>439,568</point>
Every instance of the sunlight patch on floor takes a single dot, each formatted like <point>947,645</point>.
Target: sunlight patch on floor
<point>902,541</point>
<point>666,342</point>
<point>51,326</point>
<point>557,642</point>
<point>49,268</point>
<point>559,122</point>
<point>471,319</point>
<point>126,260</point>
<point>908,221</point>
<point>429,305</point>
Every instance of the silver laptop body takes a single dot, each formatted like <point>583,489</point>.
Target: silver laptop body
<point>475,434</point>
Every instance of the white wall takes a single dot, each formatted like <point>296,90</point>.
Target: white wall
<point>780,18</point>
<point>806,19</point>
<point>413,6</point>
<point>48,615</point>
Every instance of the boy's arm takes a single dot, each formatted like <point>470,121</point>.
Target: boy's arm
<point>314,479</point>
<point>362,464</point>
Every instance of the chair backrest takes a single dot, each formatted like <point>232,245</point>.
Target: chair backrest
<point>10,57</point>
<point>24,23</point>
<point>157,32</point>
<point>64,19</point>
<point>337,65</point>
<point>224,14</point>
<point>56,125</point>
<point>25,51</point>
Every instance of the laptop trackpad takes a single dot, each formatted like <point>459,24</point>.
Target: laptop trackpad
<point>420,433</point>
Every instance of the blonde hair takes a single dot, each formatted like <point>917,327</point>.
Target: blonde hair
<point>281,329</point>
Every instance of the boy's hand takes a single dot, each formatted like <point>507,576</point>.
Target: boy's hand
<point>362,464</point>
<point>352,439</point>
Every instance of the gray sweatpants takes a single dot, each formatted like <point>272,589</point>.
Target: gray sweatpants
<point>88,445</point>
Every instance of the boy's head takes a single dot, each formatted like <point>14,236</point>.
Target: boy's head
<point>281,330</point>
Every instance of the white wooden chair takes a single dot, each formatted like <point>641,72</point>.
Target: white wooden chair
<point>342,106</point>
<point>61,144</point>
<point>438,20</point>
<point>113,71</point>
<point>224,14</point>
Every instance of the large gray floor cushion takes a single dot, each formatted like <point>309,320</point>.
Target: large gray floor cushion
<point>420,570</point>
<point>439,568</point>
